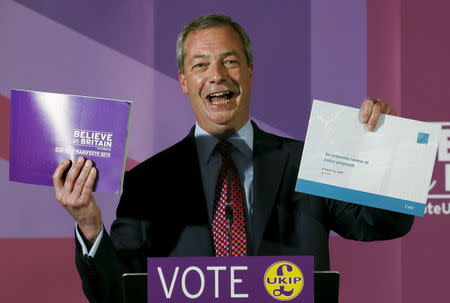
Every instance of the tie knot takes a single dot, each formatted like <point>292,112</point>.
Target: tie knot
<point>224,148</point>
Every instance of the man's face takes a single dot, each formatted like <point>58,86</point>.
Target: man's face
<point>217,79</point>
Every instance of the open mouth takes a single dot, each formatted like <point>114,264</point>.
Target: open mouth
<point>221,98</point>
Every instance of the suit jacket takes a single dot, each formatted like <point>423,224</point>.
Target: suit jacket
<point>163,212</point>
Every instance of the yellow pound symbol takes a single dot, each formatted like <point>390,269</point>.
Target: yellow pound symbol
<point>283,281</point>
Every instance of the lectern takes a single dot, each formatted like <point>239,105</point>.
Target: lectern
<point>326,287</point>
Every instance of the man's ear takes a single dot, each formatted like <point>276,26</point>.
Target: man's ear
<point>183,84</point>
<point>250,72</point>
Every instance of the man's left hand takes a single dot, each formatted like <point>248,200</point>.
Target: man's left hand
<point>371,109</point>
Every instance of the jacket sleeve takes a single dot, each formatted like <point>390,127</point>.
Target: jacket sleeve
<point>101,274</point>
<point>120,253</point>
<point>363,223</point>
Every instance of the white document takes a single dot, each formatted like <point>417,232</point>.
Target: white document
<point>389,168</point>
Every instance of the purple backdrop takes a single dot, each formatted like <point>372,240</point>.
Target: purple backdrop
<point>333,50</point>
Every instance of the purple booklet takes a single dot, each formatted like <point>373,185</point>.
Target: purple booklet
<point>47,128</point>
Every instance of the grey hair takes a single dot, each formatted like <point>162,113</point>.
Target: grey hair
<point>208,21</point>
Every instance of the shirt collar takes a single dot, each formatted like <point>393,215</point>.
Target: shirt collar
<point>242,140</point>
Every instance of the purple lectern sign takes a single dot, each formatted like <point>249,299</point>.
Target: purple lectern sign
<point>231,279</point>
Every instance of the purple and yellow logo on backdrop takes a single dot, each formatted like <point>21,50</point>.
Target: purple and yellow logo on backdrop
<point>439,194</point>
<point>235,279</point>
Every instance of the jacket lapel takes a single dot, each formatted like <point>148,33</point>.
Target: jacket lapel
<point>269,165</point>
<point>269,160</point>
<point>194,210</point>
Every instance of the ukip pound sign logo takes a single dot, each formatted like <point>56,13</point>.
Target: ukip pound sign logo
<point>439,193</point>
<point>283,281</point>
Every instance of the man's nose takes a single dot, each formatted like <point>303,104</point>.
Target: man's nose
<point>218,73</point>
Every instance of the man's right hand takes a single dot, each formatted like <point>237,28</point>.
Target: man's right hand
<point>75,195</point>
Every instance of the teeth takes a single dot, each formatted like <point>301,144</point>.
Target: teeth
<point>220,102</point>
<point>218,94</point>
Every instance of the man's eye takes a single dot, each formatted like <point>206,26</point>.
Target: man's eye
<point>231,62</point>
<point>199,66</point>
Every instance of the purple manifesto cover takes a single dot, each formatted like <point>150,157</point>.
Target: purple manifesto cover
<point>47,128</point>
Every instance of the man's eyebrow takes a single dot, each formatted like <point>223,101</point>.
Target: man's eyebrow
<point>230,53</point>
<point>199,56</point>
<point>223,55</point>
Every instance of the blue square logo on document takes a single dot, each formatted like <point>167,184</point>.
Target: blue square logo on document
<point>422,138</point>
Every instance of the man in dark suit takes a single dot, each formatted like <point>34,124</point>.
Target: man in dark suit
<point>172,202</point>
